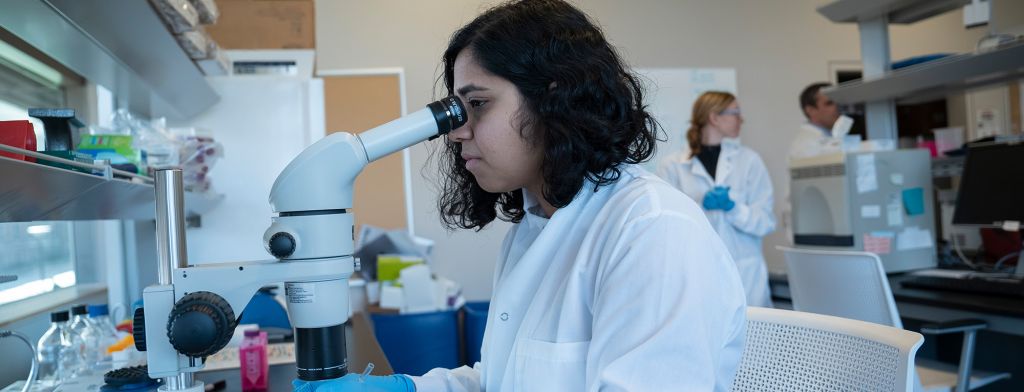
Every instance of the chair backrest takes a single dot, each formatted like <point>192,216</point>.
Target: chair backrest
<point>796,351</point>
<point>842,284</point>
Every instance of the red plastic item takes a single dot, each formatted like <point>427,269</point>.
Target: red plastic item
<point>18,134</point>
<point>999,243</point>
<point>125,326</point>
<point>930,146</point>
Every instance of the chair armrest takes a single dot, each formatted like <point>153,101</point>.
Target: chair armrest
<point>952,326</point>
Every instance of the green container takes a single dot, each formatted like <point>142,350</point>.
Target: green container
<point>69,155</point>
<point>121,144</point>
<point>390,266</point>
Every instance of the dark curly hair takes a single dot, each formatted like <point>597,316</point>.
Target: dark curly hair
<point>580,104</point>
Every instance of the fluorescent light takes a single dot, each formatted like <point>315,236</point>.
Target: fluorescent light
<point>30,64</point>
<point>39,229</point>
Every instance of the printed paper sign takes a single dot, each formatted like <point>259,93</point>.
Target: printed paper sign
<point>867,180</point>
<point>871,211</point>
<point>877,243</point>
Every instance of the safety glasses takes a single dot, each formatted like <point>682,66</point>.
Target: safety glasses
<point>729,112</point>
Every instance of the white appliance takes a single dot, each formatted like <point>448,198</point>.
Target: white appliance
<point>264,119</point>
<point>879,202</point>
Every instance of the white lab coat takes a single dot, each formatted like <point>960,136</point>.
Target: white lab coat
<point>741,228</point>
<point>812,141</point>
<point>625,289</point>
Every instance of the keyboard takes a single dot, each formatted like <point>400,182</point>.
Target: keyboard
<point>1003,287</point>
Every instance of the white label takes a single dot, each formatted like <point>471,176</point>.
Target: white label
<point>866,178</point>
<point>1011,225</point>
<point>894,211</point>
<point>914,238</point>
<point>896,178</point>
<point>871,211</point>
<point>300,293</point>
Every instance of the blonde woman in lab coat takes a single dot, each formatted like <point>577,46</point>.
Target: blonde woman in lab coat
<point>609,279</point>
<point>731,183</point>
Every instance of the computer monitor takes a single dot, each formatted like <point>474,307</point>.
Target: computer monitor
<point>992,188</point>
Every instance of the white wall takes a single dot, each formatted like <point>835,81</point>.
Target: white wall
<point>777,48</point>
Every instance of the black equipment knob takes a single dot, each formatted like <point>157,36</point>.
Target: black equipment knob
<point>282,245</point>
<point>139,329</point>
<point>201,324</point>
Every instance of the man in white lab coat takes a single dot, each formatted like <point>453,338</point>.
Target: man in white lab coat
<point>815,136</point>
<point>610,280</point>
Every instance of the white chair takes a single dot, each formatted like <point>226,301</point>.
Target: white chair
<point>797,351</point>
<point>853,285</point>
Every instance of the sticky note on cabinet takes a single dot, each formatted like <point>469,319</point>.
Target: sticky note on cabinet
<point>913,201</point>
<point>871,211</point>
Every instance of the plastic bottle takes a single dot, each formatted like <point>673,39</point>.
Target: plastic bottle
<point>253,358</point>
<point>102,334</point>
<point>78,332</point>
<point>50,349</point>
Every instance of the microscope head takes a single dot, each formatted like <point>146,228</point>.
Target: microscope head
<point>313,201</point>
<point>313,195</point>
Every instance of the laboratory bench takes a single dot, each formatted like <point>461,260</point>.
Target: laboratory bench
<point>1000,347</point>
<point>361,344</point>
<point>1003,314</point>
<point>362,348</point>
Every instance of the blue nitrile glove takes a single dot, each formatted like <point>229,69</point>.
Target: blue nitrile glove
<point>724,202</point>
<point>351,382</point>
<point>710,201</point>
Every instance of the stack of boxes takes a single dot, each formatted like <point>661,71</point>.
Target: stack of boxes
<point>265,24</point>
<point>187,20</point>
<point>204,27</point>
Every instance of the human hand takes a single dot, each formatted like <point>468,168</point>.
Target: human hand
<point>710,201</point>
<point>352,382</point>
<point>722,194</point>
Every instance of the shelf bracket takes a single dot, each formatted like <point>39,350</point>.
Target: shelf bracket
<point>874,53</point>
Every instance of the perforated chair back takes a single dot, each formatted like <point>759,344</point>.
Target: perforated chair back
<point>796,351</point>
<point>842,284</point>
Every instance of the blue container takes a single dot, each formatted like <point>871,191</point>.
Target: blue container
<point>416,343</point>
<point>476,320</point>
<point>264,310</point>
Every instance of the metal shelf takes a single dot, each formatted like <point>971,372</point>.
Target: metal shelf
<point>896,11</point>
<point>935,79</point>
<point>119,44</point>
<point>34,192</point>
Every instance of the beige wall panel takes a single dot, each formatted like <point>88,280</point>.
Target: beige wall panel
<point>355,104</point>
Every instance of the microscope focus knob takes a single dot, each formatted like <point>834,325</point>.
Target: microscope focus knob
<point>282,244</point>
<point>139,329</point>
<point>201,324</point>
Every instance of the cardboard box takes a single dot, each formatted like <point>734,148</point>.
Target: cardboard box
<point>264,24</point>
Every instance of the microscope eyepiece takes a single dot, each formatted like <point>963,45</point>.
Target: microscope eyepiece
<point>449,113</point>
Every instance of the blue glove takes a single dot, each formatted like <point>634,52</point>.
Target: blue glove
<point>351,382</point>
<point>710,201</point>
<point>724,202</point>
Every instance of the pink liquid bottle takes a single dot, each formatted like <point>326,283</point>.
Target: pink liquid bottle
<point>252,354</point>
